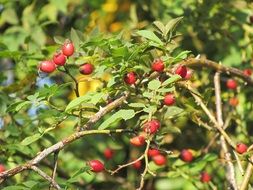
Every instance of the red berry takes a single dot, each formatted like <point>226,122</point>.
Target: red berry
<point>2,168</point>
<point>181,70</point>
<point>68,49</point>
<point>151,126</point>
<point>233,101</point>
<point>231,84</point>
<point>130,78</point>
<point>205,177</point>
<point>108,153</point>
<point>137,141</point>
<point>247,72</point>
<point>137,165</point>
<point>59,59</point>
<point>96,166</point>
<point>169,99</point>
<point>153,152</point>
<point>86,69</point>
<point>158,65</point>
<point>241,148</point>
<point>47,66</point>
<point>188,74</point>
<point>159,160</point>
<point>186,155</point>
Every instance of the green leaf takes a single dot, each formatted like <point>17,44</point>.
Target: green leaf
<point>119,52</point>
<point>150,109</point>
<point>150,36</point>
<point>9,15</point>
<point>182,55</point>
<point>210,157</point>
<point>170,80</point>
<point>197,167</point>
<point>74,38</point>
<point>121,114</point>
<point>173,174</point>
<point>17,106</point>
<point>154,84</point>
<point>93,98</point>
<point>137,105</point>
<point>31,139</point>
<point>173,111</point>
<point>160,26</point>
<point>171,25</point>
<point>164,90</point>
<point>74,178</point>
<point>59,40</point>
<point>148,94</point>
<point>14,187</point>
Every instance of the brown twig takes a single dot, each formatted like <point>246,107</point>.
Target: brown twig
<point>45,176</point>
<point>202,62</point>
<point>146,170</point>
<point>247,176</point>
<point>230,174</point>
<point>55,167</point>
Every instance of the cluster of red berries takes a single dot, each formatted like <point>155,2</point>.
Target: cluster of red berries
<point>158,66</point>
<point>60,58</point>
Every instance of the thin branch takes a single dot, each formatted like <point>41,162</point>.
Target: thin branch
<point>208,113</point>
<point>213,140</point>
<point>202,62</point>
<point>66,141</point>
<point>125,165</point>
<point>73,78</point>
<point>230,174</point>
<point>146,170</point>
<point>248,174</point>
<point>55,166</point>
<point>46,177</point>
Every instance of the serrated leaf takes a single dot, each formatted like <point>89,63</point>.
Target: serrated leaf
<point>150,109</point>
<point>164,90</point>
<point>119,52</point>
<point>150,36</point>
<point>154,84</point>
<point>59,40</point>
<point>160,26</point>
<point>21,105</point>
<point>170,80</point>
<point>79,172</point>
<point>209,157</point>
<point>148,94</point>
<point>92,98</point>
<point>31,139</point>
<point>121,114</point>
<point>173,174</point>
<point>182,55</point>
<point>197,167</point>
<point>14,187</point>
<point>171,25</point>
<point>74,38</point>
<point>173,111</point>
<point>137,105</point>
